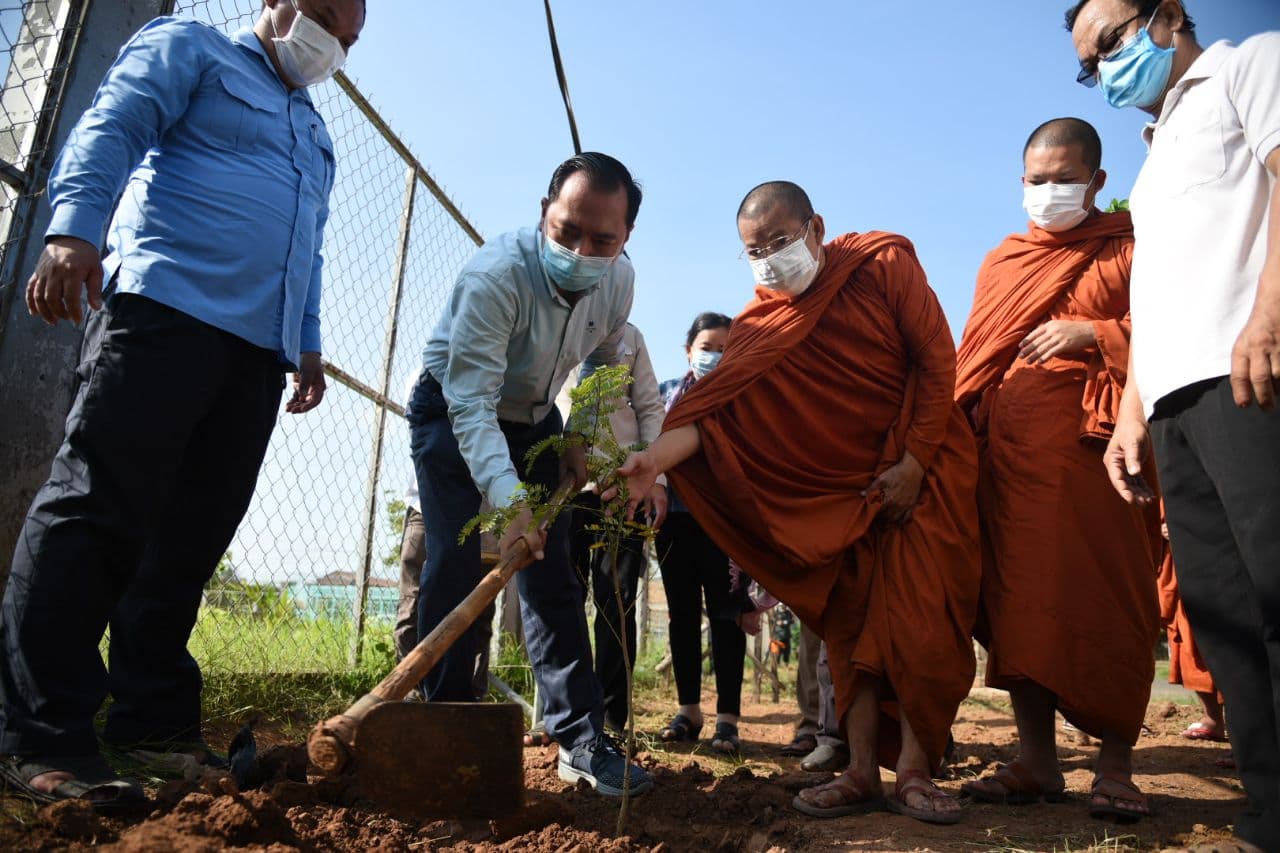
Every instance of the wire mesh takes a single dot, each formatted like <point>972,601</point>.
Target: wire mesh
<point>32,35</point>
<point>285,598</point>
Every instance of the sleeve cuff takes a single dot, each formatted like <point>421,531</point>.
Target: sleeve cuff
<point>504,489</point>
<point>310,337</point>
<point>924,453</point>
<point>70,220</point>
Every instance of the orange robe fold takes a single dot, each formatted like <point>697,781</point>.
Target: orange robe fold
<point>1067,599</point>
<point>813,398</point>
<point>1186,667</point>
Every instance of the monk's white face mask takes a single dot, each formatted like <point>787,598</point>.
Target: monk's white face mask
<point>1056,207</point>
<point>789,270</point>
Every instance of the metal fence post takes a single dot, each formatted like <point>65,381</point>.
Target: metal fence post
<point>380,417</point>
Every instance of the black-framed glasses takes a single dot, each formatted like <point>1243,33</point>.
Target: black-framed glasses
<point>776,245</point>
<point>1112,44</point>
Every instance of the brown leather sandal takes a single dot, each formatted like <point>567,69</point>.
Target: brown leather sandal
<point>1019,788</point>
<point>859,796</point>
<point>1110,808</point>
<point>918,782</point>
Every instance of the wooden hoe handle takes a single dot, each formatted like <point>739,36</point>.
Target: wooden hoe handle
<point>330,742</point>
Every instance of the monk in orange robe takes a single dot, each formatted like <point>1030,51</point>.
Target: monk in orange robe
<point>1186,667</point>
<point>826,456</point>
<point>1069,613</point>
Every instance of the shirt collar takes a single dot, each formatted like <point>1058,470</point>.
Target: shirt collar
<point>1205,66</point>
<point>248,39</point>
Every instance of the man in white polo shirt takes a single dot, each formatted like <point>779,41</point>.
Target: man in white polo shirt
<point>1205,297</point>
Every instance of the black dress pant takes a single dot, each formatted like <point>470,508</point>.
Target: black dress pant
<point>595,568</point>
<point>693,567</point>
<point>1220,474</point>
<point>159,460</point>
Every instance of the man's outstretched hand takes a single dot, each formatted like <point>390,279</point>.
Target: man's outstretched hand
<point>66,266</point>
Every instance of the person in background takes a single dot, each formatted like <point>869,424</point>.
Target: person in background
<point>207,169</point>
<point>635,422</point>
<point>1205,297</point>
<point>1186,664</point>
<point>413,555</point>
<point>693,568</point>
<point>817,740</point>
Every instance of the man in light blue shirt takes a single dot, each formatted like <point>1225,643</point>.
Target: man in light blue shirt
<point>528,308</point>
<point>218,168</point>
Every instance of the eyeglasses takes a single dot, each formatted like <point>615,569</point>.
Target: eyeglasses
<point>1088,75</point>
<point>776,245</point>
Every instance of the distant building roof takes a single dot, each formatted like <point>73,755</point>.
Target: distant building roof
<point>349,579</point>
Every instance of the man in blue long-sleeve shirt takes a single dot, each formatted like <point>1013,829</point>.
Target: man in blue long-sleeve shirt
<point>527,309</point>
<point>218,169</point>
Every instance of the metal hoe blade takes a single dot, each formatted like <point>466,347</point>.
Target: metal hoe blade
<point>435,760</point>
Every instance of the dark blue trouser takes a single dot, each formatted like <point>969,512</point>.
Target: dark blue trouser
<point>160,457</point>
<point>551,595</point>
<point>1220,474</point>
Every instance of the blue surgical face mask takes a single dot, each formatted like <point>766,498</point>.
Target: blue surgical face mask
<point>1136,74</point>
<point>569,270</point>
<point>702,361</point>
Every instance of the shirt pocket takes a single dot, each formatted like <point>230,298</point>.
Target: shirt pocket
<point>1194,153</point>
<point>320,179</point>
<point>245,113</point>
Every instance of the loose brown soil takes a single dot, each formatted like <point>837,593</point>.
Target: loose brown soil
<point>700,803</point>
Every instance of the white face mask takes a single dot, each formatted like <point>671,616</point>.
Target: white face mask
<point>308,54</point>
<point>789,270</point>
<point>1056,207</point>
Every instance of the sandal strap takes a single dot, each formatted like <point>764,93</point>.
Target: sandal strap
<point>1127,784</point>
<point>917,781</point>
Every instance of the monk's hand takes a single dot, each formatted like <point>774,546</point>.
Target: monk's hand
<point>573,463</point>
<point>1124,456</point>
<point>1057,337</point>
<point>655,506</point>
<point>1255,358</point>
<point>66,266</point>
<point>639,473</point>
<point>897,490</point>
<point>521,529</point>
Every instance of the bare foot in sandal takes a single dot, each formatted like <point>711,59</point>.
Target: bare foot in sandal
<point>1115,797</point>
<point>1015,784</point>
<point>848,793</point>
<point>916,796</point>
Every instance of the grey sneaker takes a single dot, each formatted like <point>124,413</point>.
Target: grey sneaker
<point>826,758</point>
<point>602,764</point>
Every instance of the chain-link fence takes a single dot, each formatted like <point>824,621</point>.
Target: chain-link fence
<point>321,534</point>
<point>36,39</point>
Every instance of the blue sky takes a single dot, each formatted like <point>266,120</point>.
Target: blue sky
<point>907,117</point>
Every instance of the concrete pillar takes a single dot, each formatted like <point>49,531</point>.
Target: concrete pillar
<point>37,363</point>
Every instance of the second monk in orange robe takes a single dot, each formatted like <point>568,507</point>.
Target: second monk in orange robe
<point>825,455</point>
<point>1068,609</point>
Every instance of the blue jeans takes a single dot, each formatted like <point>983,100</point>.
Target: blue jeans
<point>551,595</point>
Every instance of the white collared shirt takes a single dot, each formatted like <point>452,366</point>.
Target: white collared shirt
<point>1200,215</point>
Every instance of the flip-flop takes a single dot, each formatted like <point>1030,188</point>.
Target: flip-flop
<point>1203,731</point>
<point>681,728</point>
<point>1020,788</point>
<point>725,740</point>
<point>919,782</point>
<point>92,776</point>
<point>860,797</point>
<point>1110,810</point>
